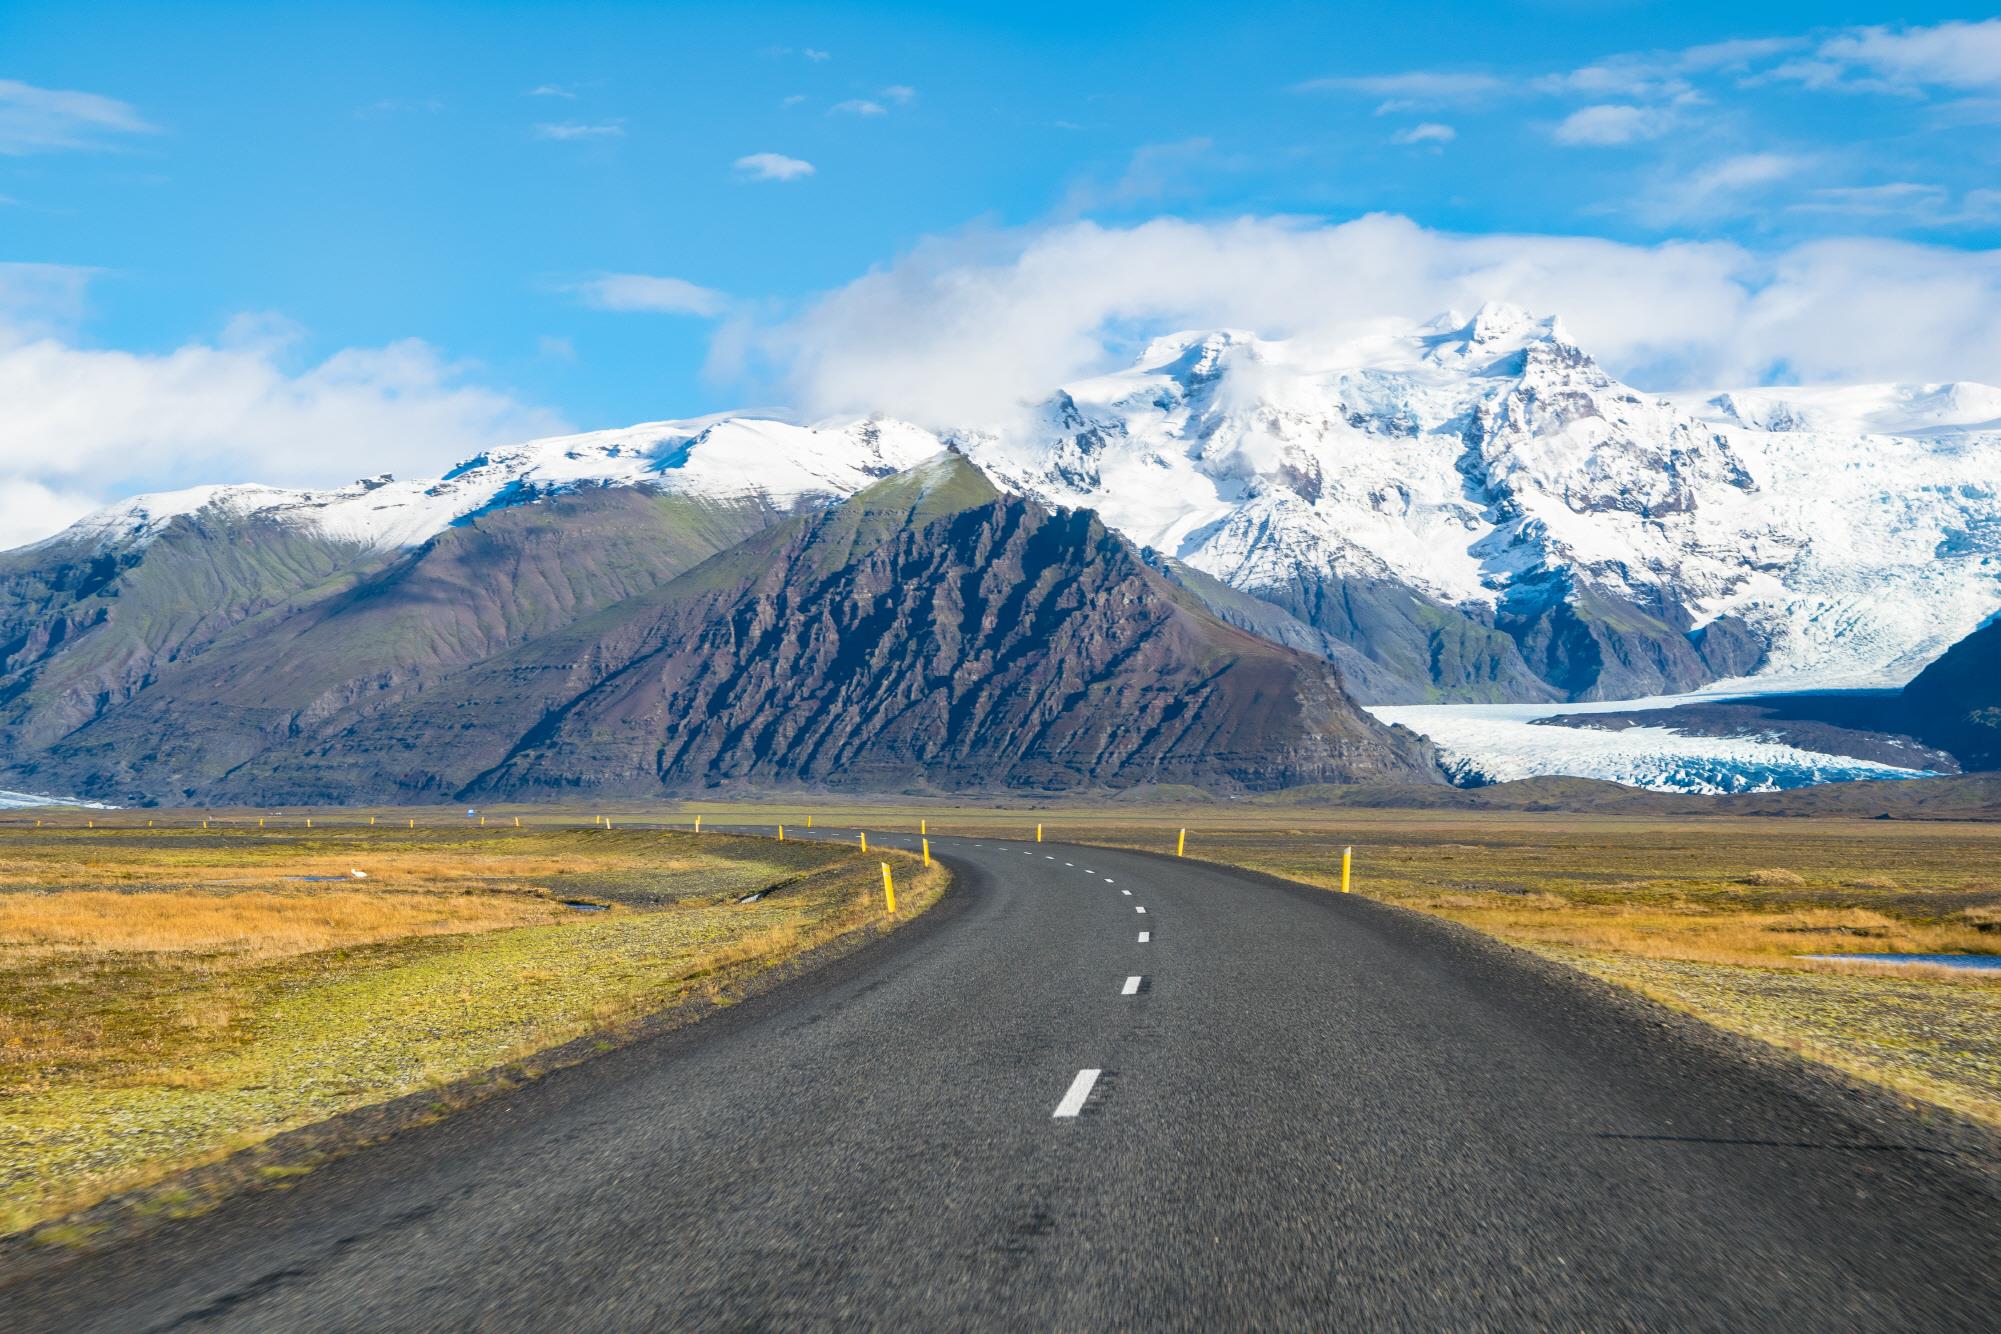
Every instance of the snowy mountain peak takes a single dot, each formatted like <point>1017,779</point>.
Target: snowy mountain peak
<point>1498,322</point>
<point>1195,357</point>
<point>1471,463</point>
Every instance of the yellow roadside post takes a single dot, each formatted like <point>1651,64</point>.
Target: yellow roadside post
<point>371,822</point>
<point>923,828</point>
<point>1038,833</point>
<point>517,822</point>
<point>90,824</point>
<point>698,824</point>
<point>1181,843</point>
<point>413,822</point>
<point>888,888</point>
<point>1347,857</point>
<point>260,822</point>
<point>309,822</point>
<point>482,822</point>
<point>927,851</point>
<point>781,833</point>
<point>149,824</point>
<point>809,822</point>
<point>864,834</point>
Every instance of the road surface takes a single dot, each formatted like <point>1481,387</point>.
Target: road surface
<point>1309,1111</point>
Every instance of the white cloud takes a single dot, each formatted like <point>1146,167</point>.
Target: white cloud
<point>1980,206</point>
<point>30,511</point>
<point>1612,124</point>
<point>38,299</point>
<point>1414,86</point>
<point>552,90</point>
<point>965,329</point>
<point>899,93</point>
<point>1737,53</point>
<point>568,131</point>
<point>1719,188</point>
<point>772,167</point>
<point>1896,197</point>
<point>858,106</point>
<point>396,106</point>
<point>1908,203</point>
<point>79,426</point>
<point>1431,132</point>
<point>645,292</point>
<point>1965,56</point>
<point>814,55</point>
<point>35,120</point>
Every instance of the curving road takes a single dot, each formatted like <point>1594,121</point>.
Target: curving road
<point>1311,1111</point>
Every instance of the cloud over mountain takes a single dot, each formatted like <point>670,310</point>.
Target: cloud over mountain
<point>968,327</point>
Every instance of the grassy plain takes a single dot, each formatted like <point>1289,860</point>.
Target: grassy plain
<point>171,994</point>
<point>1710,915</point>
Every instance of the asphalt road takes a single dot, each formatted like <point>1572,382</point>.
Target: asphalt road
<point>1313,1111</point>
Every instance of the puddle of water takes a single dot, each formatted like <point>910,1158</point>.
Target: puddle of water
<point>581,906</point>
<point>1978,961</point>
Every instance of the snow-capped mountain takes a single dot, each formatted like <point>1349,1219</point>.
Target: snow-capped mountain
<point>722,458</point>
<point>1490,465</point>
<point>1474,507</point>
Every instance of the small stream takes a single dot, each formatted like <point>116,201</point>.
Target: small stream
<point>1972,962</point>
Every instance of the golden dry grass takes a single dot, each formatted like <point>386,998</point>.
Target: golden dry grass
<point>154,1026</point>
<point>1705,934</point>
<point>249,925</point>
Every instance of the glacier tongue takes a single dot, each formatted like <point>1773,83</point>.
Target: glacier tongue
<point>1496,743</point>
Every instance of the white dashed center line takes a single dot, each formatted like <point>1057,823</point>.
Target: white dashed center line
<point>1080,1092</point>
<point>1066,863</point>
<point>1145,936</point>
<point>1127,892</point>
<point>1131,987</point>
<point>1139,910</point>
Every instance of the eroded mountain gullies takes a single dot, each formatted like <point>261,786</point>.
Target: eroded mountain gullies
<point>928,631</point>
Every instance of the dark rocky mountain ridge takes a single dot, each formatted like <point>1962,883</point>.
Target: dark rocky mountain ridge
<point>925,632</point>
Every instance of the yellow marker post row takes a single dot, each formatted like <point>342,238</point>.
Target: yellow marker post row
<point>1181,843</point>
<point>1347,859</point>
<point>888,888</point>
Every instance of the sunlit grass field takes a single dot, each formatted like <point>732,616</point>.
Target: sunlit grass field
<point>171,994</point>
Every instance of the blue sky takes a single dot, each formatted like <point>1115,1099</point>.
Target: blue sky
<point>253,233</point>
